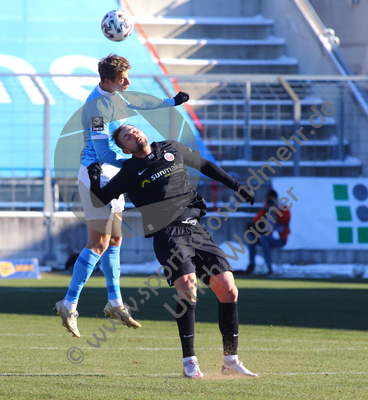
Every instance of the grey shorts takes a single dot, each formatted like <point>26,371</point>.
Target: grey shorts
<point>96,213</point>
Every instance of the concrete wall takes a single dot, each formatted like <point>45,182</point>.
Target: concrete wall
<point>349,21</point>
<point>195,8</point>
<point>26,237</point>
<point>301,41</point>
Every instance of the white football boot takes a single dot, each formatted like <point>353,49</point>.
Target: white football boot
<point>237,368</point>
<point>191,370</point>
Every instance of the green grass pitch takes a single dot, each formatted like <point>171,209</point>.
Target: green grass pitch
<point>307,339</point>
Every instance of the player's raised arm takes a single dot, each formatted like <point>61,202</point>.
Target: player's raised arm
<point>102,196</point>
<point>143,101</point>
<point>210,169</point>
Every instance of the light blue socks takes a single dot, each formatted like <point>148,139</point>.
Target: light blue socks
<point>83,269</point>
<point>110,262</point>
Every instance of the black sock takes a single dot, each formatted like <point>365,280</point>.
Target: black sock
<point>186,326</point>
<point>229,327</point>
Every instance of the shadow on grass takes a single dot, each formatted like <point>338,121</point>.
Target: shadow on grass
<point>305,307</point>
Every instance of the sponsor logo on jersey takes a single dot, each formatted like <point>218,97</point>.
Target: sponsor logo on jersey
<point>145,181</point>
<point>167,171</point>
<point>169,157</point>
<point>97,124</point>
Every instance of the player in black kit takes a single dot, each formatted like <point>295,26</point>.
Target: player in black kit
<point>157,182</point>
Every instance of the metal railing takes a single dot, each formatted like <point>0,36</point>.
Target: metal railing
<point>244,118</point>
<point>331,42</point>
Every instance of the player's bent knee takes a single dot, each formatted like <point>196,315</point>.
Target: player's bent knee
<point>231,297</point>
<point>235,293</point>
<point>187,290</point>
<point>98,248</point>
<point>115,241</point>
<point>186,287</point>
<point>98,243</point>
<point>228,295</point>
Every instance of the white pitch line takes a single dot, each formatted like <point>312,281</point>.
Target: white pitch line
<point>32,334</point>
<point>101,348</point>
<point>10,374</point>
<point>314,373</point>
<point>120,336</point>
<point>298,341</point>
<point>85,374</point>
<point>177,348</point>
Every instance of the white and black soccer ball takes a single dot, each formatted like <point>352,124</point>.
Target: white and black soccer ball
<point>117,25</point>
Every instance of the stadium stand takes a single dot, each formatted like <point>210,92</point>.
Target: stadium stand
<point>59,40</point>
<point>213,40</point>
<point>211,46</point>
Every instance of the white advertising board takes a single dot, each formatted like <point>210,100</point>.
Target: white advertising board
<point>330,213</point>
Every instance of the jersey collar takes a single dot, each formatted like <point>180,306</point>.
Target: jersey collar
<point>103,92</point>
<point>150,157</point>
<point>157,148</point>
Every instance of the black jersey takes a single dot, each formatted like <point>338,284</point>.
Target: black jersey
<point>158,184</point>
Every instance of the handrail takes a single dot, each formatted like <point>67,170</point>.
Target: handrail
<point>331,43</point>
<point>162,66</point>
<point>295,98</point>
<point>297,117</point>
<point>213,77</point>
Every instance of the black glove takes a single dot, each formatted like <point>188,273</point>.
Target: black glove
<point>248,194</point>
<point>251,197</point>
<point>181,98</point>
<point>94,171</point>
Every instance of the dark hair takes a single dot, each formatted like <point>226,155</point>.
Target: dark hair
<point>116,132</point>
<point>110,66</point>
<point>272,193</point>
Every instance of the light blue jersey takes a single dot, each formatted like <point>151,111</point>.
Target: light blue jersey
<point>102,114</point>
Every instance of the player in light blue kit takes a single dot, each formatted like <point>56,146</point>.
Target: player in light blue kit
<point>104,111</point>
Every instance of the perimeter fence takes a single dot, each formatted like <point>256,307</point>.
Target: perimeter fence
<point>240,121</point>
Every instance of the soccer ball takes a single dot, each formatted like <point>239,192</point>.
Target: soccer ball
<point>117,25</point>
